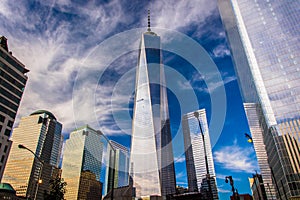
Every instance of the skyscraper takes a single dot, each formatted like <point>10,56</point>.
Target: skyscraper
<point>195,154</point>
<point>151,155</point>
<point>87,158</point>
<point>41,133</point>
<point>85,145</point>
<point>121,164</point>
<point>12,83</point>
<point>265,47</point>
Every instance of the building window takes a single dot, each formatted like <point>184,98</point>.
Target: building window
<point>7,132</point>
<point>10,124</point>
<point>5,148</point>
<point>2,118</point>
<point>2,159</point>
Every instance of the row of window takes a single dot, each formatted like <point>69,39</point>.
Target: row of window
<point>4,150</point>
<point>13,62</point>
<point>12,72</point>
<point>9,104</point>
<point>10,87</point>
<point>9,96</point>
<point>6,111</point>
<point>11,79</point>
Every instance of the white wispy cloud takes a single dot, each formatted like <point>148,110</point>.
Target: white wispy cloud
<point>221,190</point>
<point>236,158</point>
<point>221,51</point>
<point>180,175</point>
<point>210,79</point>
<point>56,40</point>
<point>168,14</point>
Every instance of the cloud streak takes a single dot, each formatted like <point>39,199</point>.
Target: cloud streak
<point>236,158</point>
<point>55,41</point>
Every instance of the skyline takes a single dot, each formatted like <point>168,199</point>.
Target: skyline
<point>30,43</point>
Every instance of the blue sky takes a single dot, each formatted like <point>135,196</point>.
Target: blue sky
<point>82,57</point>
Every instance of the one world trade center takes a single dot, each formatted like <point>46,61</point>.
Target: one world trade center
<point>152,162</point>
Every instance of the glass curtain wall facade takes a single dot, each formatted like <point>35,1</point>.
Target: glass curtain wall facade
<point>195,155</point>
<point>264,41</point>
<point>86,160</point>
<point>151,155</point>
<point>41,133</point>
<point>121,165</point>
<point>12,83</point>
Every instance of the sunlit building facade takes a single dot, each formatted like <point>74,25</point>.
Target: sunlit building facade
<point>86,159</point>
<point>195,154</point>
<point>151,155</point>
<point>263,37</point>
<point>89,187</point>
<point>41,133</point>
<point>12,84</point>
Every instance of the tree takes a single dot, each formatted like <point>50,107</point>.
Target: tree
<point>57,189</point>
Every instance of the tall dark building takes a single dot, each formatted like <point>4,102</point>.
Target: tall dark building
<point>12,84</point>
<point>152,159</point>
<point>265,47</point>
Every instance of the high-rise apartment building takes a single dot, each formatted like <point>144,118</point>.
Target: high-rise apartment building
<point>152,159</point>
<point>12,84</point>
<point>195,154</point>
<point>41,133</point>
<point>264,41</point>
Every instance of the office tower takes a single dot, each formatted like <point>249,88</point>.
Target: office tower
<point>12,83</point>
<point>41,133</point>
<point>86,159</point>
<point>265,48</point>
<point>257,187</point>
<point>85,145</point>
<point>196,165</point>
<point>151,155</point>
<point>121,164</point>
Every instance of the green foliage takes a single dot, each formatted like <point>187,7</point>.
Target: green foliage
<point>57,189</point>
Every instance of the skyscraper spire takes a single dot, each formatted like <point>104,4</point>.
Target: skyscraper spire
<point>149,29</point>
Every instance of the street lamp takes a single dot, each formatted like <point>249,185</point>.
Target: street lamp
<point>196,114</point>
<point>42,163</point>
<point>235,193</point>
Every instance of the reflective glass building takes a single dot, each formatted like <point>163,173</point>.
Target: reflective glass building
<point>152,162</point>
<point>195,154</point>
<point>121,165</point>
<point>87,158</point>
<point>12,84</point>
<point>264,41</point>
<point>41,133</point>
